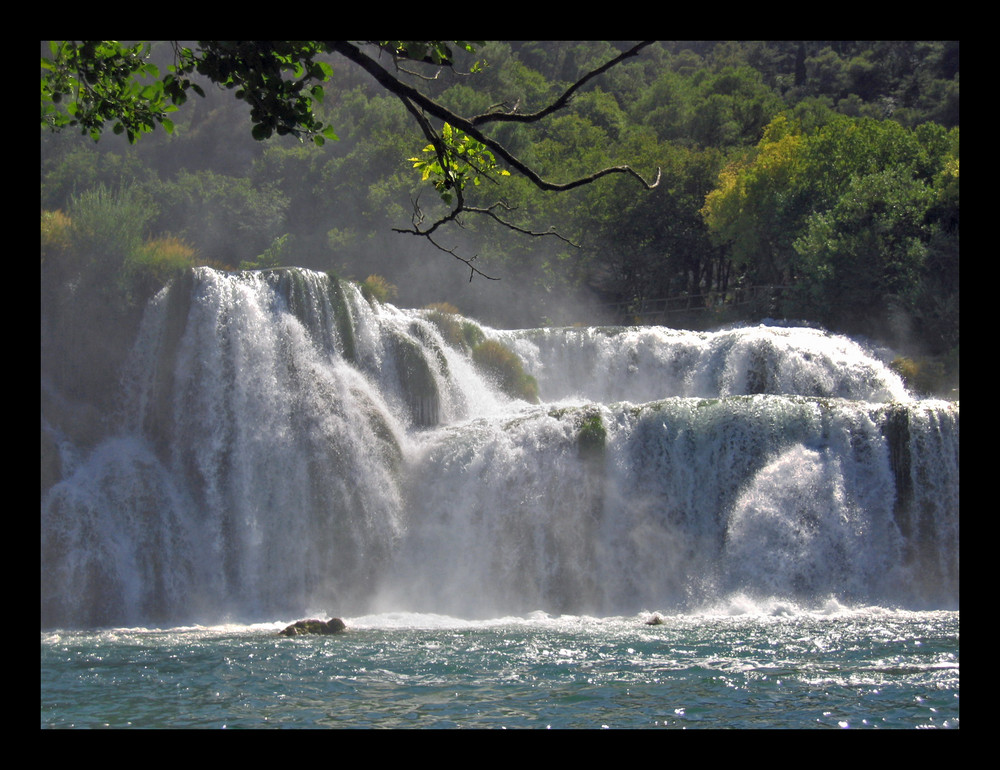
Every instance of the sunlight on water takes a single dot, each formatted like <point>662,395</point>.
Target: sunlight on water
<point>774,667</point>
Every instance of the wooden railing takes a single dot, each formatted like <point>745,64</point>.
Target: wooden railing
<point>658,310</point>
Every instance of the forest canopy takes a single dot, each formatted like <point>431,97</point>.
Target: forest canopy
<point>94,83</point>
<point>813,180</point>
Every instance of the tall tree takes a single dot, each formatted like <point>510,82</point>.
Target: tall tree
<point>846,213</point>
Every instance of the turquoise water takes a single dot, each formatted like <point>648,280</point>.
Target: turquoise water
<point>773,667</point>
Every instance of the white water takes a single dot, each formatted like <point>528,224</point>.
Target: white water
<point>273,461</point>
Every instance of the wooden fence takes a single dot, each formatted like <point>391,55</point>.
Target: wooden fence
<point>652,311</point>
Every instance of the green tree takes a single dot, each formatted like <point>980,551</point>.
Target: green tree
<point>847,214</point>
<point>89,303</point>
<point>736,106</point>
<point>758,205</point>
<point>659,246</point>
<point>862,259</point>
<point>73,167</point>
<point>224,216</point>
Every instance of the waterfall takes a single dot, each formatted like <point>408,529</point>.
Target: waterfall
<point>286,446</point>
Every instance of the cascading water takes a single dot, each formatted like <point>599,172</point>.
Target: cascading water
<point>286,447</point>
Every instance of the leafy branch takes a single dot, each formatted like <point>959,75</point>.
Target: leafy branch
<point>98,82</point>
<point>435,110</point>
<point>94,83</point>
<point>455,160</point>
<point>462,152</point>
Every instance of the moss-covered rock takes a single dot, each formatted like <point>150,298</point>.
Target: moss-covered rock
<point>472,334</point>
<point>160,414</point>
<point>457,331</point>
<point>416,380</point>
<point>448,324</point>
<point>313,626</point>
<point>895,427</point>
<point>386,441</point>
<point>592,436</point>
<point>421,335</point>
<point>502,365</point>
<point>342,317</point>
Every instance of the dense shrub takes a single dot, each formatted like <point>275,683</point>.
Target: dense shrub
<point>56,234</point>
<point>153,264</point>
<point>925,376</point>
<point>279,253</point>
<point>376,289</point>
<point>107,226</point>
<point>444,308</point>
<point>503,366</point>
<point>222,216</point>
<point>457,331</point>
<point>90,311</point>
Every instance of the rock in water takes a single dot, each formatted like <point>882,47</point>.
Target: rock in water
<point>313,626</point>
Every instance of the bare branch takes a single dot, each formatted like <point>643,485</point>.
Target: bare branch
<point>419,75</point>
<point>418,218</point>
<point>473,270</point>
<point>406,92</point>
<point>490,212</point>
<point>562,101</point>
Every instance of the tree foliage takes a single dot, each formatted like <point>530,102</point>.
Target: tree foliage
<point>96,82</point>
<point>463,159</point>
<point>93,83</point>
<point>829,168</point>
<point>844,215</point>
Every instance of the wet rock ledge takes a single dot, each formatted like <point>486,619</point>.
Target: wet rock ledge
<point>313,626</point>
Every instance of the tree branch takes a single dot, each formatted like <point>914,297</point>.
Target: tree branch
<point>428,234</point>
<point>490,212</point>
<point>404,91</point>
<point>515,117</point>
<point>421,106</point>
<point>459,206</point>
